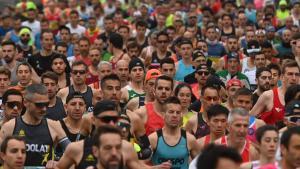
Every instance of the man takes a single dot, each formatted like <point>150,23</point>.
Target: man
<point>184,66</point>
<point>55,109</point>
<point>197,123</point>
<point>270,105</point>
<point>61,68</point>
<point>24,73</point>
<point>78,75</point>
<point>107,147</point>
<point>217,116</point>
<point>13,152</point>
<point>276,74</point>
<point>238,122</point>
<point>12,105</point>
<point>74,23</point>
<point>93,73</point>
<point>141,28</point>
<point>151,114</point>
<point>171,142</point>
<point>32,22</point>
<point>92,31</point>
<point>40,134</point>
<point>123,72</point>
<point>232,71</point>
<point>263,81</point>
<point>289,143</point>
<point>167,67</point>
<point>109,27</point>
<point>124,31</point>
<point>231,87</point>
<point>84,46</point>
<point>40,61</point>
<point>135,88</point>
<point>215,48</point>
<point>4,82</point>
<point>284,48</point>
<point>65,36</point>
<point>202,73</point>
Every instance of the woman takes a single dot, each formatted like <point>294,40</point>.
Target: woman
<point>184,93</point>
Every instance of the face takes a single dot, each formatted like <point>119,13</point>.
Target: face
<point>225,163</point>
<point>4,82</point>
<point>75,108</point>
<point>51,86</point>
<point>79,74</point>
<point>162,42</point>
<point>211,34</point>
<point>186,50</point>
<point>47,41</point>
<point>232,45</point>
<point>122,70</point>
<point>264,81</point>
<point>210,97</point>
<point>185,97</point>
<point>84,47</point>
<point>260,61</point>
<point>218,124</point>
<point>137,74</point>
<point>24,75</point>
<point>201,76</point>
<point>168,69</point>
<point>238,128</point>
<point>292,152</point>
<point>99,44</point>
<point>269,144</point>
<point>199,61</point>
<point>192,19</point>
<point>74,18</point>
<point>233,66</point>
<point>231,90</point>
<point>163,90</point>
<point>291,76</point>
<point>58,66</point>
<point>62,50</point>
<point>13,107</point>
<point>92,23</point>
<point>65,35</point>
<point>15,154</point>
<point>8,52</point>
<point>105,70</point>
<point>243,101</point>
<point>140,30</point>
<point>112,90</point>
<point>202,46</point>
<point>226,21</point>
<point>37,106</point>
<point>133,52</point>
<point>275,77</point>
<point>109,153</point>
<point>108,25</point>
<point>95,57</point>
<point>106,118</point>
<point>173,115</point>
<point>124,33</point>
<point>250,35</point>
<point>287,36</point>
<point>149,87</point>
<point>124,126</point>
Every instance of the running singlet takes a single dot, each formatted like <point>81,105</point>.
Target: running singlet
<point>114,63</point>
<point>256,165</point>
<point>277,112</point>
<point>155,61</point>
<point>88,97</point>
<point>154,121</point>
<point>88,159</point>
<point>202,127</point>
<point>72,137</point>
<point>207,140</point>
<point>132,94</point>
<point>57,112</point>
<point>39,143</point>
<point>177,154</point>
<point>246,150</point>
<point>182,71</point>
<point>252,129</point>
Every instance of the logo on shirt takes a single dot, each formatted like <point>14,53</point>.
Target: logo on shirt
<point>21,133</point>
<point>90,157</point>
<point>278,109</point>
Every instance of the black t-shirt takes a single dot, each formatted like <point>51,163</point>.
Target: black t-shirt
<point>40,63</point>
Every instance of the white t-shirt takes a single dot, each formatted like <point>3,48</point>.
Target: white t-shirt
<point>34,26</point>
<point>79,29</point>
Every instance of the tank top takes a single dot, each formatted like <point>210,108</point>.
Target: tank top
<point>72,137</point>
<point>132,94</point>
<point>14,37</point>
<point>114,63</point>
<point>182,71</point>
<point>155,61</point>
<point>88,159</point>
<point>228,34</point>
<point>39,143</point>
<point>91,79</point>
<point>245,152</point>
<point>57,112</point>
<point>154,121</point>
<point>277,112</point>
<point>252,129</point>
<point>207,140</point>
<point>88,97</point>
<point>177,154</point>
<point>202,127</point>
<point>256,165</point>
<point>245,67</point>
<point>186,117</point>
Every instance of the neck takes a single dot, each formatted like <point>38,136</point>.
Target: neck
<point>265,160</point>
<point>148,98</point>
<point>81,88</point>
<point>187,61</point>
<point>258,91</point>
<point>74,124</point>
<point>45,52</point>
<point>62,77</point>
<point>117,52</point>
<point>137,85</point>
<point>52,102</point>
<point>12,64</point>
<point>171,131</point>
<point>214,136</point>
<point>27,118</point>
<point>231,142</point>
<point>285,165</point>
<point>161,53</point>
<point>158,107</point>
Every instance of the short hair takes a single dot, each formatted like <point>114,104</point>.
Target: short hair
<point>291,93</point>
<point>108,17</point>
<point>24,64</point>
<point>74,12</point>
<point>124,26</point>
<point>172,100</point>
<point>262,130</point>
<point>62,44</point>
<point>266,44</point>
<point>46,31</point>
<point>205,87</point>
<point>63,27</point>
<point>237,111</point>
<point>164,77</point>
<point>289,63</point>
<point>109,77</point>
<point>106,129</point>
<point>141,23</point>
<point>286,136</point>
<point>104,63</point>
<point>4,144</point>
<point>215,110</point>
<point>116,40</point>
<point>166,60</point>
<point>162,33</point>
<point>35,89</point>
<point>49,75</point>
<point>84,38</point>
<point>211,154</point>
<point>133,44</point>
<point>260,70</point>
<point>243,92</point>
<point>258,53</point>
<point>226,14</point>
<point>275,67</point>
<point>8,42</point>
<point>10,92</point>
<point>232,37</point>
<point>78,63</point>
<point>5,71</point>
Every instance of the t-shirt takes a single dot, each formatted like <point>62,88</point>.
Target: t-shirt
<point>40,63</point>
<point>34,26</point>
<point>79,29</point>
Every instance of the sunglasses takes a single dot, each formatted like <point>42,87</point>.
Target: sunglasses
<point>108,119</point>
<point>12,105</point>
<point>41,104</point>
<point>162,41</point>
<point>27,35</point>
<point>123,125</point>
<point>202,73</point>
<point>81,72</point>
<point>294,119</point>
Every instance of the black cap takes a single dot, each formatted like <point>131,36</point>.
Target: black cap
<point>104,105</point>
<point>233,55</point>
<point>198,53</point>
<point>252,47</point>
<point>289,109</point>
<point>134,63</point>
<point>75,95</point>
<point>215,81</point>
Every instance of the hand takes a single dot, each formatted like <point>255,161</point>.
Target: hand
<point>164,165</point>
<point>51,164</point>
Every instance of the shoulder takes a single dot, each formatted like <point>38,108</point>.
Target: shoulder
<point>222,73</point>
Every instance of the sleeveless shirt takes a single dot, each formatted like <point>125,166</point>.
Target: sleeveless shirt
<point>246,149</point>
<point>154,121</point>
<point>88,97</point>
<point>202,127</point>
<point>88,159</point>
<point>57,112</point>
<point>182,71</point>
<point>132,94</point>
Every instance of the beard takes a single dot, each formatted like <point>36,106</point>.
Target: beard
<point>8,59</point>
<point>25,41</point>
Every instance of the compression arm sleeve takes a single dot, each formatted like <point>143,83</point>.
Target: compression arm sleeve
<point>64,142</point>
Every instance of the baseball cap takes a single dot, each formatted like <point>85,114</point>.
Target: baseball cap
<point>197,54</point>
<point>75,95</point>
<point>234,82</point>
<point>290,108</point>
<point>270,28</point>
<point>104,105</point>
<point>134,63</point>
<point>233,55</point>
<point>152,73</point>
<point>252,47</point>
<point>215,81</point>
